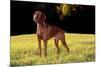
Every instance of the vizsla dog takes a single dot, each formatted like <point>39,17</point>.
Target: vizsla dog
<point>46,32</point>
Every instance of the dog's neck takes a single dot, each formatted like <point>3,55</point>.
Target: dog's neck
<point>42,24</point>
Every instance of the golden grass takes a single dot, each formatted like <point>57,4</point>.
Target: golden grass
<point>23,50</point>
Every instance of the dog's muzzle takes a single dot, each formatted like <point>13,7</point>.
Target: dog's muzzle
<point>34,17</point>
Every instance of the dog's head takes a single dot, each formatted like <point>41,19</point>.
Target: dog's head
<point>39,17</point>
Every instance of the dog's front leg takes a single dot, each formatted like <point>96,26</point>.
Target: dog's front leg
<point>45,45</point>
<point>45,48</point>
<point>39,45</point>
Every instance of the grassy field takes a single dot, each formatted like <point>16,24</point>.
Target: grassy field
<point>23,50</point>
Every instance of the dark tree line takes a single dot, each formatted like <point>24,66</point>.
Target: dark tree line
<point>78,19</point>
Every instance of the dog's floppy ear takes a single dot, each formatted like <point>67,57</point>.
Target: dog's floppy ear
<point>43,16</point>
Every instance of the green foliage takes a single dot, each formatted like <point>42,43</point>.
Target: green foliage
<point>24,50</point>
<point>65,9</point>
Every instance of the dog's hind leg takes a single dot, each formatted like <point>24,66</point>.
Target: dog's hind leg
<point>64,42</point>
<point>57,46</point>
<point>61,37</point>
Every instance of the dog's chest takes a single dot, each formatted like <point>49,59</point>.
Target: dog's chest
<point>41,30</point>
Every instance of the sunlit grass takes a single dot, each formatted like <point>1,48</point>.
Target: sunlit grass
<point>24,47</point>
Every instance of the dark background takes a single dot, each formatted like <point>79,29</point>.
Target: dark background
<point>81,21</point>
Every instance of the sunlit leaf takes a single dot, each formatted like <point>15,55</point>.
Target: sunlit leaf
<point>65,9</point>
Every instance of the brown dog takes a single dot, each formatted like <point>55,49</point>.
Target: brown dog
<point>46,31</point>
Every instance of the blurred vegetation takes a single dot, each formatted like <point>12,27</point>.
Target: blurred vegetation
<point>65,9</point>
